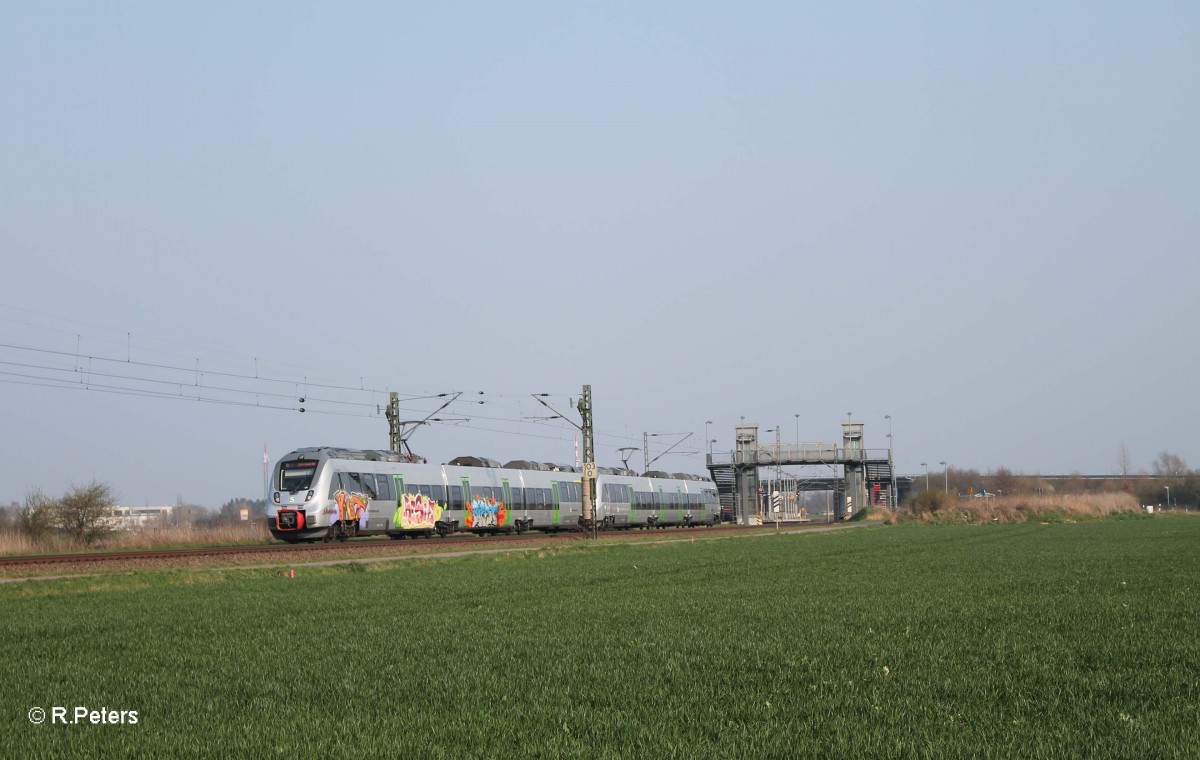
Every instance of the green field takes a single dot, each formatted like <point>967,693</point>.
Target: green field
<point>926,641</point>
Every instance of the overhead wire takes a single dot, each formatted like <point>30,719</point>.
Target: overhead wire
<point>82,379</point>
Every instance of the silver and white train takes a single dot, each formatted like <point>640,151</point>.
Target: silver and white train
<point>330,493</point>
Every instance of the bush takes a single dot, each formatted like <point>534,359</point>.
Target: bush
<point>35,518</point>
<point>930,502</point>
<point>937,506</point>
<point>85,513</point>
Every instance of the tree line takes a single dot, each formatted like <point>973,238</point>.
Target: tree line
<point>84,514</point>
<point>1169,476</point>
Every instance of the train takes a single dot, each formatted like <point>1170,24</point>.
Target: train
<point>328,493</point>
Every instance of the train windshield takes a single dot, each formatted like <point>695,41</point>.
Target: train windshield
<point>297,475</point>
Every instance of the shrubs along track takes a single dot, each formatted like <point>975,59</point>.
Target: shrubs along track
<point>939,507</point>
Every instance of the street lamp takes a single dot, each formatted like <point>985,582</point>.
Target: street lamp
<point>1168,496</point>
<point>710,445</point>
<point>707,423</point>
<point>926,475</point>
<point>945,477</point>
<point>797,416</point>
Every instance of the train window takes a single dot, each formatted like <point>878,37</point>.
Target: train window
<point>297,475</point>
<point>411,489</point>
<point>517,501</point>
<point>439,494</point>
<point>354,483</point>
<point>335,483</point>
<point>423,490</point>
<point>456,497</point>
<point>383,487</point>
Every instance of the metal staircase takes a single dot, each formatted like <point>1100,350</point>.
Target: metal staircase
<point>726,481</point>
<point>879,473</point>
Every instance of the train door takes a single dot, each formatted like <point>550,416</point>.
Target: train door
<point>466,501</point>
<point>554,508</point>
<point>398,515</point>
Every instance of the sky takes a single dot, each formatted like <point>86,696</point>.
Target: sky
<point>975,224</point>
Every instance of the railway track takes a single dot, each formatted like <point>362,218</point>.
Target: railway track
<point>354,545</point>
<point>364,544</point>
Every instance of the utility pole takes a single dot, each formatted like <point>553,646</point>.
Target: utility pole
<point>589,460</point>
<point>646,446</point>
<point>588,481</point>
<point>393,418</point>
<point>399,431</point>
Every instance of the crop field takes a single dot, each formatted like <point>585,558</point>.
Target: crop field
<point>1026,640</point>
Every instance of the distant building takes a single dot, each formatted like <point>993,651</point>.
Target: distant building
<point>133,518</point>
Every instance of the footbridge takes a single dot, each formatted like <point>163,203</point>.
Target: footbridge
<point>867,474</point>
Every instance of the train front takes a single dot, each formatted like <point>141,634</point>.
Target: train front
<point>295,511</point>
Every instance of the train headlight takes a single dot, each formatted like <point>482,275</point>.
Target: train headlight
<point>309,497</point>
<point>276,497</point>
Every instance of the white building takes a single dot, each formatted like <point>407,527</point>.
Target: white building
<point>133,518</point>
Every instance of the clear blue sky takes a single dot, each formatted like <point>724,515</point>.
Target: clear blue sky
<point>981,221</point>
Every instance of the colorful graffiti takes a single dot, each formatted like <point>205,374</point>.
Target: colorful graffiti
<point>351,507</point>
<point>417,511</point>
<point>486,513</point>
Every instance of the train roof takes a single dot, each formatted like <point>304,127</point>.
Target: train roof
<point>378,455</point>
<point>473,462</point>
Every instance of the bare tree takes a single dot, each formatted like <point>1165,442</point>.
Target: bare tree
<point>85,513</point>
<point>1169,465</point>
<point>1124,462</point>
<point>35,518</point>
<point>1004,480</point>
